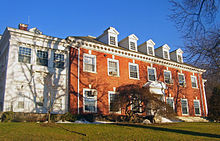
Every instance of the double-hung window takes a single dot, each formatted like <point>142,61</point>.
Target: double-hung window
<point>151,74</point>
<point>42,58</point>
<point>90,100</point>
<point>113,67</point>
<point>166,56</point>
<point>89,63</point>
<point>181,80</point>
<point>133,71</point>
<point>113,106</point>
<point>132,46</point>
<point>24,55</point>
<point>112,40</point>
<point>170,102</point>
<point>197,107</point>
<point>167,77</point>
<point>184,104</point>
<point>58,61</point>
<point>194,81</point>
<point>150,50</point>
<point>179,58</point>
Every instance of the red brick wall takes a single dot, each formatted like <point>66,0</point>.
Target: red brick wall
<point>104,83</point>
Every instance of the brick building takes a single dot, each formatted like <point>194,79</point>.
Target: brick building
<point>99,65</point>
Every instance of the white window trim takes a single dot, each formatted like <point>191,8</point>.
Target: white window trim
<point>89,55</point>
<point>113,60</point>
<point>109,38</point>
<point>137,70</point>
<point>184,79</point>
<point>173,101</point>
<point>95,97</point>
<point>135,43</point>
<point>196,81</point>
<point>155,73</point>
<point>112,92</point>
<point>168,54</point>
<point>187,107</point>
<point>199,108</point>
<point>181,57</point>
<point>171,81</point>
<point>152,50</point>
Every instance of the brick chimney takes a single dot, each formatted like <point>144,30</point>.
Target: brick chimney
<point>23,27</point>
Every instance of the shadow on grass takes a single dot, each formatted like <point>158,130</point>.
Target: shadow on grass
<point>185,132</point>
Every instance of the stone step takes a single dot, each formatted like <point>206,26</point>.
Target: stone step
<point>193,119</point>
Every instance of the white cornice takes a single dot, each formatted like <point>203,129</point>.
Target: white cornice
<point>133,55</point>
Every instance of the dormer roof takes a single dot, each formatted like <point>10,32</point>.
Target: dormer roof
<point>111,29</point>
<point>150,41</point>
<point>179,50</point>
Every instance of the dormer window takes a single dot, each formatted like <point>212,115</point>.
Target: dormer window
<point>129,42</point>
<point>147,47</point>
<point>165,54</point>
<point>179,58</point>
<point>112,40</point>
<point>150,50</point>
<point>132,46</point>
<point>109,37</point>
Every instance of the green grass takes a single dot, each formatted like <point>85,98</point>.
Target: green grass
<point>174,131</point>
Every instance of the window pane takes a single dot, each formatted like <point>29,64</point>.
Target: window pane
<point>89,105</point>
<point>166,54</point>
<point>133,71</point>
<point>112,40</point>
<point>184,106</point>
<point>167,77</point>
<point>181,80</point>
<point>150,50</point>
<point>197,107</point>
<point>151,74</point>
<point>113,106</point>
<point>42,58</point>
<point>179,58</point>
<point>113,68</point>
<point>194,82</point>
<point>89,63</point>
<point>132,45</point>
<point>58,60</point>
<point>24,55</point>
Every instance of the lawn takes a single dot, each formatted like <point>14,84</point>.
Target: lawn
<point>174,131</point>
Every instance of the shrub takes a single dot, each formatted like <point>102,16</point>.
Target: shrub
<point>7,116</point>
<point>87,117</point>
<point>69,117</point>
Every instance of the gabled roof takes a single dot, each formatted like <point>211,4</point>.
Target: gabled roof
<point>130,36</point>
<point>151,42</point>
<point>179,50</point>
<point>112,29</point>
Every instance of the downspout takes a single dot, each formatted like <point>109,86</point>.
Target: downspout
<point>201,95</point>
<point>78,80</point>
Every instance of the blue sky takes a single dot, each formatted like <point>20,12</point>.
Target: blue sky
<point>147,19</point>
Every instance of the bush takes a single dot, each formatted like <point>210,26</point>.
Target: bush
<point>87,117</point>
<point>69,117</point>
<point>7,116</point>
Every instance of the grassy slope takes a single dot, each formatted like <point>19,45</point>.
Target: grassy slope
<point>176,131</point>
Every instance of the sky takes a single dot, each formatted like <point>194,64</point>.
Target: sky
<point>147,19</point>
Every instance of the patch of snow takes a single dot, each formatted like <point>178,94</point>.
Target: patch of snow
<point>60,121</point>
<point>165,120</point>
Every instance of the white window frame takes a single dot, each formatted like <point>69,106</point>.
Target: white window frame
<point>149,51</point>
<point>109,93</point>
<point>170,76</point>
<point>196,81</point>
<point>177,56</point>
<point>155,73</point>
<point>184,79</point>
<point>130,71</point>
<point>173,101</point>
<point>110,40</point>
<point>135,46</point>
<point>84,98</point>
<point>92,56</point>
<point>113,60</point>
<point>168,54</point>
<point>199,108</point>
<point>187,107</point>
